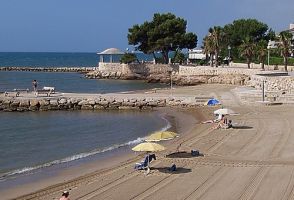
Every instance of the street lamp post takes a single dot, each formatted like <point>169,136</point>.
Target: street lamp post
<point>263,93</point>
<point>229,49</point>
<point>268,55</point>
<point>229,57</point>
<point>171,82</point>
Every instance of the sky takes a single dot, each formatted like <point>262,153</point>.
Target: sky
<point>95,25</point>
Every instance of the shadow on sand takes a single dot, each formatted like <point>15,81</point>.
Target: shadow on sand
<point>182,154</point>
<point>242,127</point>
<point>179,170</point>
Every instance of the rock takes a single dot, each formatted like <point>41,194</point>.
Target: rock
<point>128,108</point>
<point>83,102</point>
<point>87,107</point>
<point>34,102</point>
<point>14,103</point>
<point>91,102</point>
<point>62,101</point>
<point>44,102</point>
<point>98,107</point>
<point>103,103</point>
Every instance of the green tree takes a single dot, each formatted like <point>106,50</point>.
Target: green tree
<point>209,48</point>
<point>284,46</point>
<point>216,36</point>
<point>241,29</point>
<point>179,57</point>
<point>262,52</point>
<point>247,49</point>
<point>128,58</point>
<point>164,33</point>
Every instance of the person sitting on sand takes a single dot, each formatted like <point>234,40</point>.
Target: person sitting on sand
<point>64,196</point>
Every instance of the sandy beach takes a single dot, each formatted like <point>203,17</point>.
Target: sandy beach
<point>253,160</point>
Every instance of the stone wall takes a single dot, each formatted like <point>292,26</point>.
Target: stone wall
<point>212,71</point>
<point>130,71</point>
<point>11,104</point>
<point>236,74</point>
<point>274,84</point>
<point>142,68</point>
<point>258,66</point>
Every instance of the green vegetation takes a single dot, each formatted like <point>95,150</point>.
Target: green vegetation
<point>247,50</point>
<point>164,33</point>
<point>243,40</point>
<point>280,61</point>
<point>128,58</point>
<point>284,46</point>
<point>247,39</point>
<point>213,43</point>
<point>179,57</point>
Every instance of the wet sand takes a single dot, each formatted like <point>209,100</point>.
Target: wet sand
<point>254,160</point>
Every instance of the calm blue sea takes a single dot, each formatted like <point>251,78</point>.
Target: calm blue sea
<point>33,141</point>
<point>43,59</point>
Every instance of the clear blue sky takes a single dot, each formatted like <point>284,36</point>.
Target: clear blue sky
<point>94,25</point>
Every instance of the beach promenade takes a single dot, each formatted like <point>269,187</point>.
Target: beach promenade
<point>254,160</point>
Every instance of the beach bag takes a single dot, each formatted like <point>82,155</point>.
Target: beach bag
<point>194,153</point>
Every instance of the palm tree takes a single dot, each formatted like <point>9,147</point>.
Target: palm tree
<point>208,48</point>
<point>261,52</point>
<point>212,43</point>
<point>247,50</point>
<point>285,46</point>
<point>217,36</point>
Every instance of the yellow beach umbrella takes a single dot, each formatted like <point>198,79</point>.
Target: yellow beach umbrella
<point>148,147</point>
<point>161,135</point>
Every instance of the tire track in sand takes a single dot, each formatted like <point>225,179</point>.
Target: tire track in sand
<point>119,181</point>
<point>254,183</point>
<point>278,147</point>
<point>254,138</point>
<point>208,183</point>
<point>57,188</point>
<point>289,193</point>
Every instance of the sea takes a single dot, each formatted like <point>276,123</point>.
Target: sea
<point>33,142</point>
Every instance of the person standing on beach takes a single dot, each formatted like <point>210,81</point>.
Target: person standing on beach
<point>64,196</point>
<point>35,85</point>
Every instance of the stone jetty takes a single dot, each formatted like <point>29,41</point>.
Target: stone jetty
<point>70,101</point>
<point>50,69</point>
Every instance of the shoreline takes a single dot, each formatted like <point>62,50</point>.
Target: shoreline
<point>181,121</point>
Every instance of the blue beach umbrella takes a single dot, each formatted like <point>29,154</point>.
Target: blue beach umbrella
<point>212,102</point>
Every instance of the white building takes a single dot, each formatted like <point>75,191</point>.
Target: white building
<point>196,54</point>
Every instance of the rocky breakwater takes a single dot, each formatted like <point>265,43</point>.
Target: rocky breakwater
<point>11,104</point>
<point>49,69</point>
